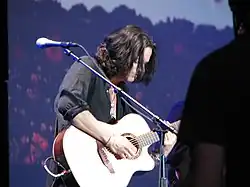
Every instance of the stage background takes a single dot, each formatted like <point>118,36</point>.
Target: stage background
<point>184,33</point>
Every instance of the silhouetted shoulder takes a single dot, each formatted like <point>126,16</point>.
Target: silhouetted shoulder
<point>216,58</point>
<point>227,61</point>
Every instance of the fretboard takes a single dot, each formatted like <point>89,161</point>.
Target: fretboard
<point>148,138</point>
<point>152,137</point>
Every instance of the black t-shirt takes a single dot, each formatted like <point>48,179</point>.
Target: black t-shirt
<point>217,103</point>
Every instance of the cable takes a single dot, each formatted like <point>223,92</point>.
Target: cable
<point>58,164</point>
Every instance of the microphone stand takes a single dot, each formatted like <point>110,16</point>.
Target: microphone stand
<point>160,123</point>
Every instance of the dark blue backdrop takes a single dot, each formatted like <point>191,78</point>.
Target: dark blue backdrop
<point>36,74</point>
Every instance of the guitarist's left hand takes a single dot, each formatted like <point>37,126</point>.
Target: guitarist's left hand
<point>169,142</point>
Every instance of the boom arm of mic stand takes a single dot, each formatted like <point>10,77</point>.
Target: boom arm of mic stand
<point>156,119</point>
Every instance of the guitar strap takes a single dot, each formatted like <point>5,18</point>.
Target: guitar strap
<point>103,156</point>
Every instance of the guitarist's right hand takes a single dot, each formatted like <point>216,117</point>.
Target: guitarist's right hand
<point>121,147</point>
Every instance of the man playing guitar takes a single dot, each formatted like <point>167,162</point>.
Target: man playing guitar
<point>89,104</point>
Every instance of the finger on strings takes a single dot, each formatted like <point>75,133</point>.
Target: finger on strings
<point>130,152</point>
<point>124,155</point>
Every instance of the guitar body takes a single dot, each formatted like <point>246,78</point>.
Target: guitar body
<point>83,157</point>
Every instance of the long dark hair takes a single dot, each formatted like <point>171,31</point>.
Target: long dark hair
<point>124,46</point>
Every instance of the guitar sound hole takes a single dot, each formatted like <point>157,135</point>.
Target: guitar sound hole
<point>135,142</point>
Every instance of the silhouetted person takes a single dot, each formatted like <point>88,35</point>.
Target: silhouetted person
<point>216,113</point>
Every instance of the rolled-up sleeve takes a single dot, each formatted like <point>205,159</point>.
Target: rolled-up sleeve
<point>74,90</point>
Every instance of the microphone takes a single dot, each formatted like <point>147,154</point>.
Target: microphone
<point>45,43</point>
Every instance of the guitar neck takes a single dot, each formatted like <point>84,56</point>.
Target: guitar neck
<point>148,138</point>
<point>152,137</point>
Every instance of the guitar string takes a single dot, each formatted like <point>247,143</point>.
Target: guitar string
<point>141,139</point>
